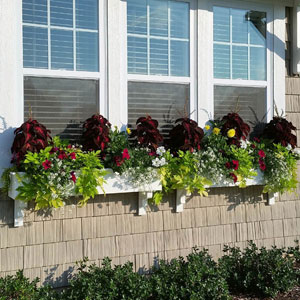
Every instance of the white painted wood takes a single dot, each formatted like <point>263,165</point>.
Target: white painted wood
<point>296,37</point>
<point>272,198</point>
<point>143,202</point>
<point>180,200</point>
<point>19,212</point>
<point>11,78</point>
<point>279,56</point>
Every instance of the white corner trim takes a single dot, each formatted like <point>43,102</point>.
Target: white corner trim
<point>296,37</point>
<point>143,202</point>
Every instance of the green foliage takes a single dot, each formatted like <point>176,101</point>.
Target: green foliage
<point>53,174</point>
<point>107,282</point>
<point>262,272</point>
<point>246,168</point>
<point>196,278</point>
<point>18,287</point>
<point>181,172</point>
<point>5,179</point>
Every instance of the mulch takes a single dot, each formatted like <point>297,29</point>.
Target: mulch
<point>294,294</point>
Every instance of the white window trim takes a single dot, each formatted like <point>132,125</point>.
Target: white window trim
<point>101,76</point>
<point>275,82</point>
<point>160,78</point>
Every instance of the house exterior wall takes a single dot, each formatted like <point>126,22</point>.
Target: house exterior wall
<point>50,243</point>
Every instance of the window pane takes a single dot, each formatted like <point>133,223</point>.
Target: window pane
<point>61,13</point>
<point>158,17</point>
<point>239,62</point>
<point>35,47</point>
<point>62,49</point>
<point>62,105</point>
<point>180,58</point>
<point>35,11</point>
<point>258,63</point>
<point>227,98</point>
<point>87,14</point>
<point>221,61</point>
<point>87,51</point>
<point>180,23</point>
<point>137,55</point>
<point>239,26</point>
<point>158,57</point>
<point>221,24</point>
<point>162,101</point>
<point>258,26</point>
<point>137,16</point>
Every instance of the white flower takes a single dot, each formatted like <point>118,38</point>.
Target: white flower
<point>163,161</point>
<point>160,150</point>
<point>243,144</point>
<point>289,147</point>
<point>297,151</point>
<point>156,162</point>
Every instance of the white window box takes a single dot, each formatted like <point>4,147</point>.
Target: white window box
<point>115,184</point>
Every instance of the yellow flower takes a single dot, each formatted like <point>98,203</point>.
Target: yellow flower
<point>231,133</point>
<point>128,130</point>
<point>216,130</point>
<point>207,127</point>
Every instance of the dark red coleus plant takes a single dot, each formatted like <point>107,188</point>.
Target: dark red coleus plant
<point>30,136</point>
<point>147,133</point>
<point>96,133</point>
<point>234,121</point>
<point>280,131</point>
<point>186,135</point>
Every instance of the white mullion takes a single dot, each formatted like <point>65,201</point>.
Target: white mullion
<point>49,34</point>
<point>240,83</point>
<point>59,27</point>
<point>74,36</point>
<point>158,78</point>
<point>148,38</point>
<point>230,38</point>
<point>169,39</point>
<point>238,44</point>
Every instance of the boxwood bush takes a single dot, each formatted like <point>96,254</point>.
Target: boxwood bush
<point>259,272</point>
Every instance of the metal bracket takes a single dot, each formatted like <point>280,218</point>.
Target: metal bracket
<point>271,198</point>
<point>19,212</point>
<point>180,200</point>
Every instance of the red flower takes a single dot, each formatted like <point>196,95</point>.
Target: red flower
<point>73,177</point>
<point>235,164</point>
<point>53,150</point>
<point>233,177</point>
<point>72,155</point>
<point>152,153</point>
<point>262,166</point>
<point>69,146</point>
<point>257,140</point>
<point>119,161</point>
<point>228,165</point>
<point>46,164</point>
<point>125,154</point>
<point>253,146</point>
<point>261,153</point>
<point>62,155</point>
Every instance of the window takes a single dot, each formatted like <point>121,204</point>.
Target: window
<point>63,73</point>
<point>160,51</point>
<point>240,62</point>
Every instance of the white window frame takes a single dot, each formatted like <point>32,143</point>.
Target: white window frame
<point>275,83</point>
<point>191,80</point>
<point>100,76</point>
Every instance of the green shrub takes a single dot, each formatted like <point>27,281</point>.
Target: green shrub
<point>195,278</point>
<point>262,272</point>
<point>18,287</point>
<point>108,283</point>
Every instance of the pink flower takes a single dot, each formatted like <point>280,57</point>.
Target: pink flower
<point>62,155</point>
<point>72,155</point>
<point>69,146</point>
<point>233,177</point>
<point>152,153</point>
<point>46,164</point>
<point>261,153</point>
<point>53,150</point>
<point>125,154</point>
<point>73,177</point>
<point>235,164</point>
